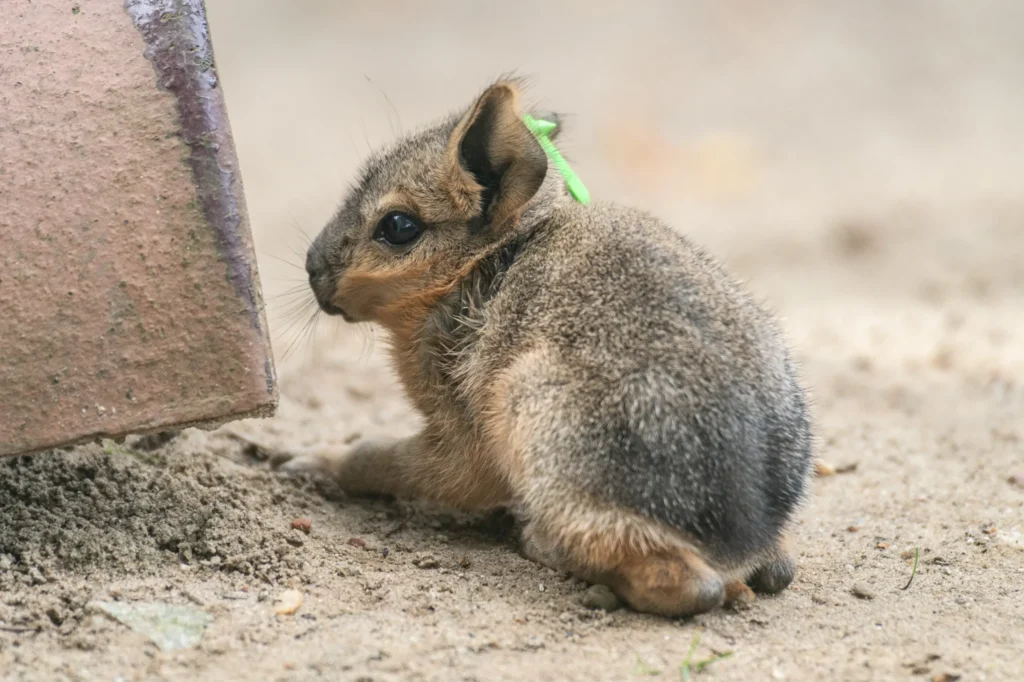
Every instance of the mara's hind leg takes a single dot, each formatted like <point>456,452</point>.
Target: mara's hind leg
<point>672,585</point>
<point>668,579</point>
<point>776,571</point>
<point>676,583</point>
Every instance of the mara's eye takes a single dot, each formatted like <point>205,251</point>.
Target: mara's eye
<point>398,229</point>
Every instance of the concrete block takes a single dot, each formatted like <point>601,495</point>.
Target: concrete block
<point>129,296</point>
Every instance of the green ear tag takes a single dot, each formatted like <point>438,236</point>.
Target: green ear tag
<point>542,129</point>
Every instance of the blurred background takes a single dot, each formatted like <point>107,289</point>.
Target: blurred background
<point>861,164</point>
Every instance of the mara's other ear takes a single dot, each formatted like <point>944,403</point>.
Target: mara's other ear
<point>495,165</point>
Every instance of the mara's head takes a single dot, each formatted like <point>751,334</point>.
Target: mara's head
<point>426,209</point>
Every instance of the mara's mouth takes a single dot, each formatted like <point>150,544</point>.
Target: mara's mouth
<point>332,309</point>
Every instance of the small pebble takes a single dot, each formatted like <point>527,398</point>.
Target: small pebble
<point>862,591</point>
<point>305,525</point>
<point>1017,479</point>
<point>357,542</point>
<point>600,597</point>
<point>288,602</point>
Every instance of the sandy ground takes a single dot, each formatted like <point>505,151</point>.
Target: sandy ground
<point>861,169</point>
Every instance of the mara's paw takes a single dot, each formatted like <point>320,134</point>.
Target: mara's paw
<point>319,464</point>
<point>773,576</point>
<point>669,585</point>
<point>534,546</point>
<point>738,596</point>
<point>366,469</point>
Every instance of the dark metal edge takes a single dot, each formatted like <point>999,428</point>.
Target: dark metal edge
<point>177,37</point>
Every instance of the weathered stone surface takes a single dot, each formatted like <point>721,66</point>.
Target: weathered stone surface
<point>129,298</point>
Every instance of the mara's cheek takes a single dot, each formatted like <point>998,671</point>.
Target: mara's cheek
<point>359,295</point>
<point>365,295</point>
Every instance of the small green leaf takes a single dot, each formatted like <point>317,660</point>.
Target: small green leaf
<point>542,130</point>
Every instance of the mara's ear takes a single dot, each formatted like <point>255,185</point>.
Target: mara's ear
<point>495,164</point>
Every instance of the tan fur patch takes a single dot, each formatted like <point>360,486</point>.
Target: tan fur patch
<point>501,438</point>
<point>601,538</point>
<point>670,583</point>
<point>366,291</point>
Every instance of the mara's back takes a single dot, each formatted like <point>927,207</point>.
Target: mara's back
<point>667,362</point>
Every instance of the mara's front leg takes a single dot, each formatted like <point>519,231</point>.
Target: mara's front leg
<point>458,474</point>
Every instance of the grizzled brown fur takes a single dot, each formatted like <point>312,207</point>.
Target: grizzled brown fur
<point>586,366</point>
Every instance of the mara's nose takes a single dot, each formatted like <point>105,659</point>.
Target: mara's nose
<point>315,263</point>
<point>319,281</point>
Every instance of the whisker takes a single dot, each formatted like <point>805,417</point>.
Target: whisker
<point>297,340</point>
<point>309,240</point>
<point>301,291</point>
<point>296,309</point>
<point>310,333</point>
<point>362,128</point>
<point>301,303</point>
<point>367,335</point>
<point>283,260</point>
<point>390,104</point>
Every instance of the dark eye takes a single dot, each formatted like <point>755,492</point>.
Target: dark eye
<point>398,229</point>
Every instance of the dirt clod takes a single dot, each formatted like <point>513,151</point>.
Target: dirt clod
<point>855,238</point>
<point>426,561</point>
<point>862,591</point>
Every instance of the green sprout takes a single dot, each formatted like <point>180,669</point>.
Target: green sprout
<point>688,668</point>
